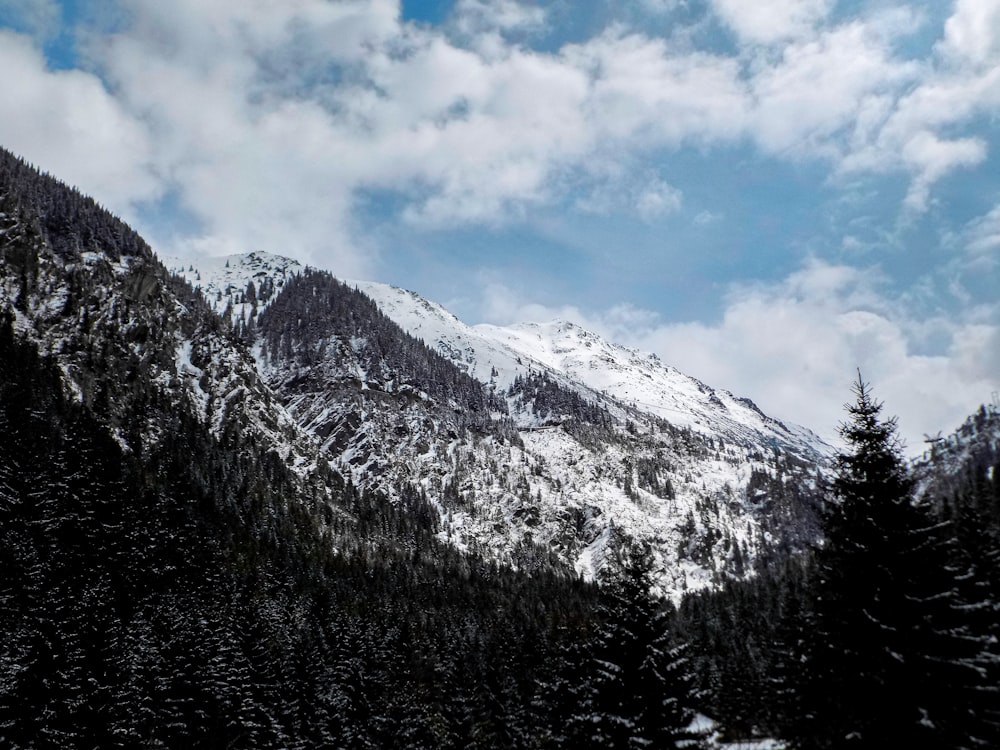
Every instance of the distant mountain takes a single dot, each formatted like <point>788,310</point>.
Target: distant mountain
<point>179,564</point>
<point>533,442</point>
<point>587,361</point>
<point>967,456</point>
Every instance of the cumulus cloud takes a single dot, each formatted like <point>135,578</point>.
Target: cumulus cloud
<point>832,319</point>
<point>642,91</point>
<point>913,128</point>
<point>234,95</point>
<point>463,137</point>
<point>270,122</point>
<point>825,90</point>
<point>402,109</point>
<point>67,123</point>
<point>769,21</point>
<point>972,33</point>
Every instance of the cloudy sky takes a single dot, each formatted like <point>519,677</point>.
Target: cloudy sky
<point>768,194</point>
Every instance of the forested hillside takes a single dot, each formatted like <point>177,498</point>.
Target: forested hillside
<point>524,462</point>
<point>180,570</point>
<point>185,563</point>
<point>192,596</point>
<point>884,635</point>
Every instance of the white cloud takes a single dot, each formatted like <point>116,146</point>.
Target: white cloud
<point>501,304</point>
<point>844,94</point>
<point>269,120</point>
<point>930,158</point>
<point>68,124</point>
<point>467,138</point>
<point>657,199</point>
<point>478,16</point>
<point>486,140</point>
<point>832,320</point>
<point>982,235</point>
<point>464,137</point>
<point>770,21</point>
<point>643,93</point>
<point>631,192</point>
<point>906,131</point>
<point>705,218</point>
<point>489,26</point>
<point>809,102</point>
<point>972,33</point>
<point>257,168</point>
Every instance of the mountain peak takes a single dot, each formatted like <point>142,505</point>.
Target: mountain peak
<point>573,355</point>
<point>578,445</point>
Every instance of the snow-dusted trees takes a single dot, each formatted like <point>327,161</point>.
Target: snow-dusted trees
<point>175,599</point>
<point>642,694</point>
<point>320,324</point>
<point>891,659</point>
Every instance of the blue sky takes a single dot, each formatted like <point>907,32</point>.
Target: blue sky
<point>768,195</point>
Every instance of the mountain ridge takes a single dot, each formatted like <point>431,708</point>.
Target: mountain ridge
<point>292,524</point>
<point>509,350</point>
<point>557,464</point>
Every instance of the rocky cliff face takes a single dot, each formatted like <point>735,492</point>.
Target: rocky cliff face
<point>534,443</point>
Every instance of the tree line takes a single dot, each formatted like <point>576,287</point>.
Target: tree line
<point>167,582</point>
<point>886,633</point>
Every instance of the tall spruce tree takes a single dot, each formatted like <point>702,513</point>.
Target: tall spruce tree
<point>643,690</point>
<point>890,659</point>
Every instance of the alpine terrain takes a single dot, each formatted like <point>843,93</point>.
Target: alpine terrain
<point>245,504</point>
<point>530,441</point>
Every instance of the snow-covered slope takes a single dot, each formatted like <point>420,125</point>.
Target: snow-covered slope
<point>131,341</point>
<point>577,444</point>
<point>971,453</point>
<point>476,351</point>
<point>238,286</point>
<point>589,364</point>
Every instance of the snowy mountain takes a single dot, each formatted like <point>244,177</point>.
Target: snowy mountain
<point>284,525</point>
<point>495,354</point>
<point>238,286</point>
<point>125,333</point>
<point>961,459</point>
<point>547,441</point>
<point>179,567</point>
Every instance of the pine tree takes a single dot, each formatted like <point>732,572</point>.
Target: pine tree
<point>890,660</point>
<point>564,694</point>
<point>644,684</point>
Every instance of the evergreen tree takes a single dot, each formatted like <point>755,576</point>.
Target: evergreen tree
<point>890,660</point>
<point>565,694</point>
<point>643,692</point>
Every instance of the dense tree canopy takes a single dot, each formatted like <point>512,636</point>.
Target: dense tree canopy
<point>892,658</point>
<point>169,580</point>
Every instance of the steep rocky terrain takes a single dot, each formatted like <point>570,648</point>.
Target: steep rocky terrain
<point>532,442</point>
<point>179,566</point>
<point>967,457</point>
<point>285,524</point>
